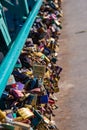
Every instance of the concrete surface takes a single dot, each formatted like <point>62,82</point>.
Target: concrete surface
<point>72,112</point>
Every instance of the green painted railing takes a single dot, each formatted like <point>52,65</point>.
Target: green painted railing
<point>10,59</point>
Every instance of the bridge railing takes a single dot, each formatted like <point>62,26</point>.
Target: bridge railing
<point>10,59</point>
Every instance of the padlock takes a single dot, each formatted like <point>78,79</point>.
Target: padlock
<point>43,99</point>
<point>20,76</point>
<point>2,115</point>
<point>36,120</point>
<point>5,95</point>
<point>31,84</point>
<point>20,86</point>
<point>25,113</point>
<point>11,81</point>
<point>32,100</point>
<point>17,93</point>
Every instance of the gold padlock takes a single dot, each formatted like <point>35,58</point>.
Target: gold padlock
<point>25,113</point>
<point>2,115</point>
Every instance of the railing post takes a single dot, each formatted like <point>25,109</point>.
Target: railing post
<point>23,5</point>
<point>5,39</point>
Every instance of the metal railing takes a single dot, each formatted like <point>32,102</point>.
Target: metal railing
<point>11,58</point>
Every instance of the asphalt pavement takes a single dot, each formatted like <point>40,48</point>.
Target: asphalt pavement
<point>72,99</point>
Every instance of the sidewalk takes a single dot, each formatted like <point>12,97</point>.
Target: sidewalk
<point>72,112</point>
